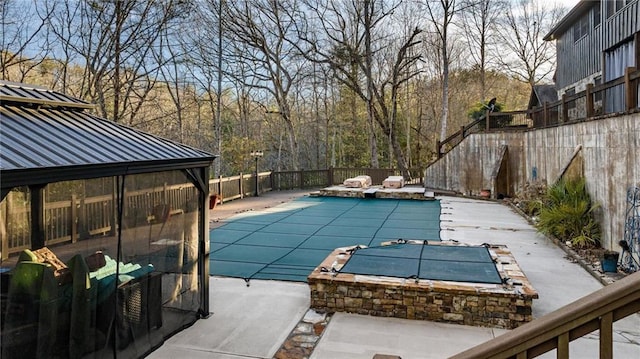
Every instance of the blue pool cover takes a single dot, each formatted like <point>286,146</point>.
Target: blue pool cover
<point>288,241</point>
<point>418,261</point>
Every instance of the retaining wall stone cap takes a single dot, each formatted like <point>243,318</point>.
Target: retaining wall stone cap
<point>313,317</point>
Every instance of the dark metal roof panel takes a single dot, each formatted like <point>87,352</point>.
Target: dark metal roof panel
<point>35,95</point>
<point>34,138</point>
<point>45,137</point>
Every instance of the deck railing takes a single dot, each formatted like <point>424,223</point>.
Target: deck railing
<point>613,97</point>
<point>80,218</point>
<point>596,311</point>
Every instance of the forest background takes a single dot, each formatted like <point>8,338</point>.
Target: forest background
<point>313,84</point>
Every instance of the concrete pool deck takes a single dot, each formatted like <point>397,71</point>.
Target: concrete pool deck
<point>252,322</point>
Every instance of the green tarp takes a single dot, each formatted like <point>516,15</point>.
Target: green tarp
<point>418,261</point>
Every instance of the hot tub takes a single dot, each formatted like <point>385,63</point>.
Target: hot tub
<point>436,281</point>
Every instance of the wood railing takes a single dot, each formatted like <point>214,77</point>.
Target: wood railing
<point>616,96</point>
<point>80,218</point>
<point>458,136</point>
<point>596,311</point>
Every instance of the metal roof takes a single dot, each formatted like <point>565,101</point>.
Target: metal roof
<point>46,137</point>
<point>17,93</point>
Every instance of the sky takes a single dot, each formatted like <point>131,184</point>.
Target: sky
<point>569,4</point>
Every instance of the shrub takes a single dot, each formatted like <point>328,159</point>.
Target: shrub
<point>533,207</point>
<point>479,109</point>
<point>530,199</point>
<point>568,214</point>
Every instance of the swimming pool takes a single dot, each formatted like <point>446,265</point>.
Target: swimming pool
<point>288,241</point>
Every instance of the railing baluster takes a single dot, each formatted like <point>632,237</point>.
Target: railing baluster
<point>563,346</point>
<point>629,93</point>
<point>488,118</point>
<point>606,336</point>
<point>565,109</point>
<point>589,100</point>
<point>522,355</point>
<point>72,220</point>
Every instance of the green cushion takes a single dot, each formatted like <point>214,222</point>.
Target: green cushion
<point>27,256</point>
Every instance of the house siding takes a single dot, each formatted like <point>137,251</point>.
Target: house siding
<point>622,25</point>
<point>578,59</point>
<point>578,62</point>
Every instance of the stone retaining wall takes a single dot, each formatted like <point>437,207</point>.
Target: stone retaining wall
<point>609,151</point>
<point>408,302</point>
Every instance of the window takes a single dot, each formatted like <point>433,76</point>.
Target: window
<point>597,14</point>
<point>615,63</point>
<point>617,60</point>
<point>580,28</point>
<point>613,6</point>
<point>620,4</point>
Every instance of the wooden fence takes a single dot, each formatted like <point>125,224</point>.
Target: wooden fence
<point>76,219</point>
<point>80,218</point>
<point>613,97</point>
<point>243,185</point>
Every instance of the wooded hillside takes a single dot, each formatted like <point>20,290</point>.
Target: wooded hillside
<point>311,83</point>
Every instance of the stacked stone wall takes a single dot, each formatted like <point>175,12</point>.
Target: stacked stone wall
<point>506,311</point>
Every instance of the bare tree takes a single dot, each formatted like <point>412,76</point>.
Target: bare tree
<point>369,22</point>
<point>23,28</point>
<point>69,73</point>
<point>529,57</point>
<point>441,14</point>
<point>204,54</point>
<point>357,22</point>
<point>342,44</point>
<point>114,40</point>
<point>170,56</point>
<point>258,32</point>
<point>481,29</point>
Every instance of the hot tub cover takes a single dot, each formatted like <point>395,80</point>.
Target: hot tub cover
<point>430,262</point>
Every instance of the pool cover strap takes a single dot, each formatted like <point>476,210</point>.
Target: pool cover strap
<point>421,261</point>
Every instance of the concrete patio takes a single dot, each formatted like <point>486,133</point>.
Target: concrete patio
<point>254,321</point>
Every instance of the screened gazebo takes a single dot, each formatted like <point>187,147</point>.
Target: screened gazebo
<point>104,231</point>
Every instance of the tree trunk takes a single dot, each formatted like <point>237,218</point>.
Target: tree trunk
<point>293,142</point>
<point>400,158</point>
<point>373,146</point>
<point>445,87</point>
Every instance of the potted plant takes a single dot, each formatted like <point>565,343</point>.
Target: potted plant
<point>609,261</point>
